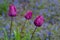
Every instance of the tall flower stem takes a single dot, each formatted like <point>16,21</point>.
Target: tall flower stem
<point>33,33</point>
<point>23,28</point>
<point>11,27</point>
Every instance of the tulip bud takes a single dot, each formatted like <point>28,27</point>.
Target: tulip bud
<point>28,14</point>
<point>12,11</point>
<point>39,21</point>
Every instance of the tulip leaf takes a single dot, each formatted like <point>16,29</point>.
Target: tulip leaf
<point>17,34</point>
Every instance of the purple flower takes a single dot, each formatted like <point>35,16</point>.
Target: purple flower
<point>39,21</point>
<point>28,14</point>
<point>12,11</point>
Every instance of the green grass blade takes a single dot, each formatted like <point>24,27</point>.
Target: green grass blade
<point>17,34</point>
<point>5,34</point>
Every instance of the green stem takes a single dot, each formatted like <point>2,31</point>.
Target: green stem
<point>22,29</point>
<point>33,33</point>
<point>11,27</point>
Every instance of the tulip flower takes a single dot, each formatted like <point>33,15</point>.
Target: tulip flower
<point>28,14</point>
<point>38,22</point>
<point>12,11</point>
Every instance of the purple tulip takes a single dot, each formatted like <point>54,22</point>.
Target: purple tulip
<point>28,14</point>
<point>12,11</point>
<point>39,21</point>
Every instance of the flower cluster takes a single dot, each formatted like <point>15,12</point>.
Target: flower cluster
<point>28,15</point>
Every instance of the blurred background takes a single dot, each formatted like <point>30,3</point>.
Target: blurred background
<point>50,9</point>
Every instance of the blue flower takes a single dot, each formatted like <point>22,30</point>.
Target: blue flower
<point>49,33</point>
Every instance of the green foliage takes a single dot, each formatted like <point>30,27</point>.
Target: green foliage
<point>27,36</point>
<point>5,34</point>
<point>41,6</point>
<point>17,34</point>
<point>59,0</point>
<point>4,7</point>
